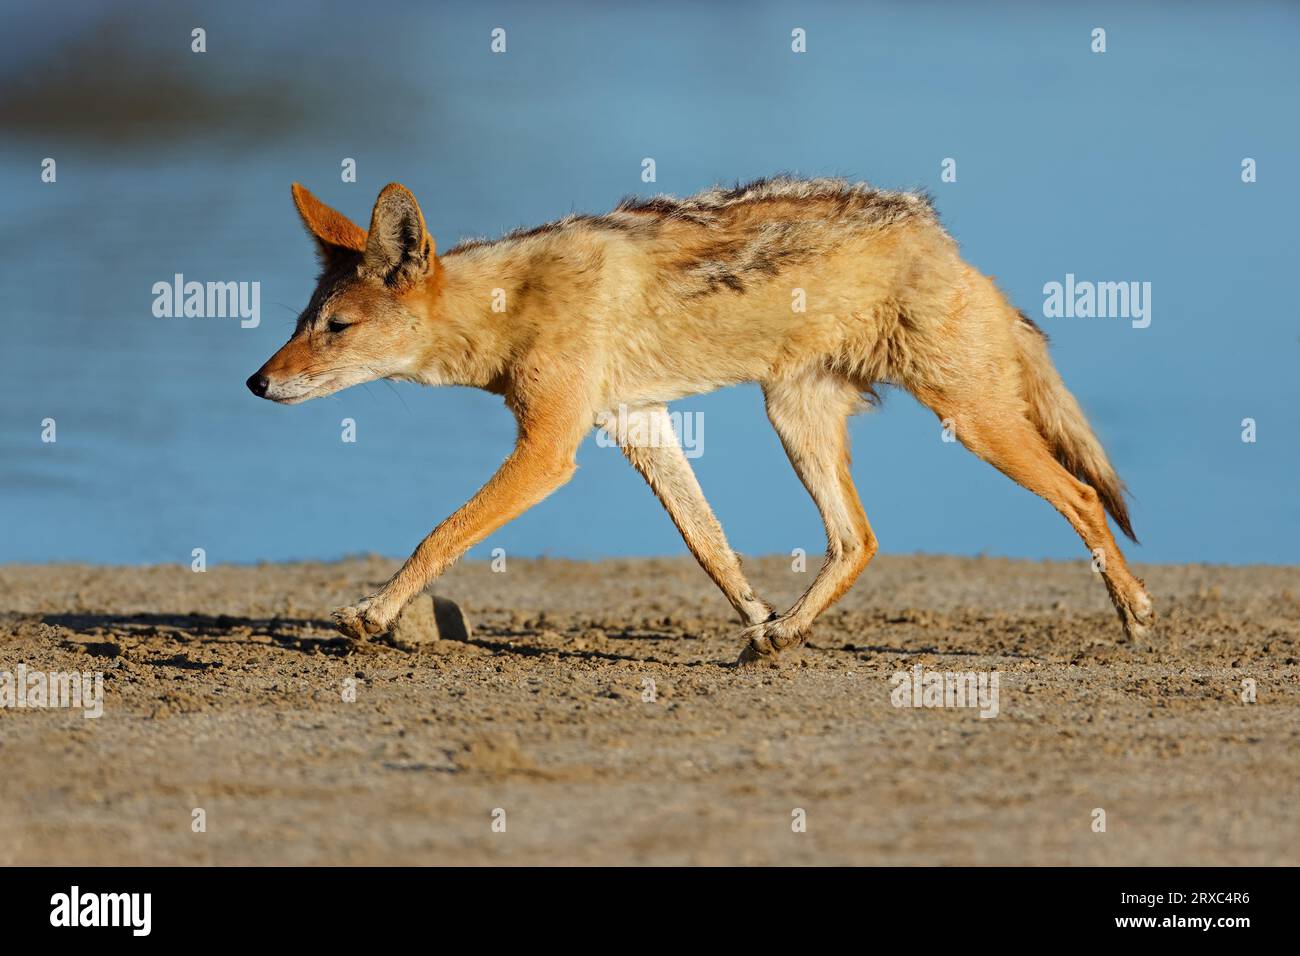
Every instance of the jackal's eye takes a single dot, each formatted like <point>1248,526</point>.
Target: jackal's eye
<point>336,325</point>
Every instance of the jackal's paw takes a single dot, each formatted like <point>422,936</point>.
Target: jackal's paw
<point>1138,617</point>
<point>767,641</point>
<point>361,620</point>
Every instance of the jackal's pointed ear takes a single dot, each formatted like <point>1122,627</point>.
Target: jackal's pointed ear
<point>336,235</point>
<point>399,249</point>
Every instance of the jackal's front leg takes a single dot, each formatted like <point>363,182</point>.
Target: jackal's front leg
<point>660,460</point>
<point>542,461</point>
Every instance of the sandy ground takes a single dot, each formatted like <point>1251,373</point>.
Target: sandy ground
<point>225,691</point>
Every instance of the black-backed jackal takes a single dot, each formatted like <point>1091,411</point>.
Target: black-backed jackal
<point>602,320</point>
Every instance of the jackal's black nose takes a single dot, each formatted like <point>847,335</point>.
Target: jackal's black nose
<point>258,384</point>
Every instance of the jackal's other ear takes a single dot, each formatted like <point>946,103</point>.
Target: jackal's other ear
<point>336,235</point>
<point>399,250</point>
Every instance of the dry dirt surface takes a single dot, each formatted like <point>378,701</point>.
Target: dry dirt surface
<point>536,741</point>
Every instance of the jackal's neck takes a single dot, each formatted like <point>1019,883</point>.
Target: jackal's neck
<point>470,335</point>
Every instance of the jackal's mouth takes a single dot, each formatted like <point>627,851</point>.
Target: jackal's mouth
<point>292,393</point>
<point>292,399</point>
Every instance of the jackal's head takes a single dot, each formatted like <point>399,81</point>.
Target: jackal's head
<point>369,316</point>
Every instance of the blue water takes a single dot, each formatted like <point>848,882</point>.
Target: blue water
<point>1116,166</point>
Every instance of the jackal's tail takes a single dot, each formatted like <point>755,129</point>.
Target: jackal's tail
<point>1057,415</point>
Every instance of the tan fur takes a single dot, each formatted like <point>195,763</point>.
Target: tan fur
<point>665,298</point>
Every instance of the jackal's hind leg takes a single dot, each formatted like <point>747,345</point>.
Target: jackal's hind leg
<point>1012,445</point>
<point>810,415</point>
<point>659,458</point>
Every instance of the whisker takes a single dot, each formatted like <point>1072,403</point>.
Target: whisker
<point>398,394</point>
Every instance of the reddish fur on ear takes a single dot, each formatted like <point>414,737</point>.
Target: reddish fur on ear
<point>328,226</point>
